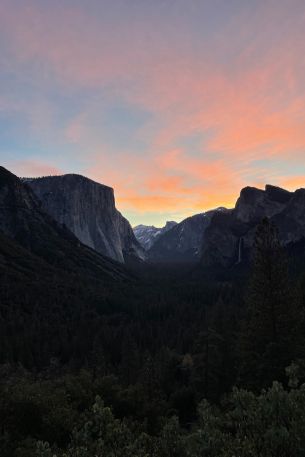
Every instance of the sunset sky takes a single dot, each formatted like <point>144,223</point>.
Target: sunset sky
<point>176,104</point>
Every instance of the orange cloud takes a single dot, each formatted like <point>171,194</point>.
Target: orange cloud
<point>293,183</point>
<point>152,203</point>
<point>257,108</point>
<point>168,184</point>
<point>241,90</point>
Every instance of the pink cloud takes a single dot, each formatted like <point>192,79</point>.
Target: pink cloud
<point>76,129</point>
<point>33,168</point>
<point>189,91</point>
<point>244,86</point>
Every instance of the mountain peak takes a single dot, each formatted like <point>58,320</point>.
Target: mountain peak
<point>278,194</point>
<point>170,224</point>
<point>231,241</point>
<point>250,193</point>
<point>147,235</point>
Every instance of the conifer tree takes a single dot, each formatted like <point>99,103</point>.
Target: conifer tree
<point>270,334</point>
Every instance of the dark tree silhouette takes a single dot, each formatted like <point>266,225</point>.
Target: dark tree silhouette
<point>270,333</point>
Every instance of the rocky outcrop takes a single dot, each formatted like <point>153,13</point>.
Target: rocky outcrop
<point>23,220</point>
<point>147,235</point>
<point>183,242</point>
<point>254,204</point>
<point>88,209</point>
<point>229,238</point>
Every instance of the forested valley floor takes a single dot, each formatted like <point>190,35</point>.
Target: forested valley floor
<point>170,365</point>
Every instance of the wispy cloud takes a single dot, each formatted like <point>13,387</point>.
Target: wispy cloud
<point>232,74</point>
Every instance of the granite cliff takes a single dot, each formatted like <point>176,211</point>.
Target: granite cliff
<point>230,235</point>
<point>29,229</point>
<point>87,208</point>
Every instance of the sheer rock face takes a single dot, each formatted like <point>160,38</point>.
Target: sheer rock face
<point>23,220</point>
<point>147,235</point>
<point>229,238</point>
<point>88,209</point>
<point>183,242</point>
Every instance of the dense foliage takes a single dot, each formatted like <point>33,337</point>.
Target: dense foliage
<point>148,368</point>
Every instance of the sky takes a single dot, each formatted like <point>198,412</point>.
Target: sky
<point>176,104</point>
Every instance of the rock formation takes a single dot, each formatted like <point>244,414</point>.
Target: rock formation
<point>88,209</point>
<point>23,221</point>
<point>230,235</point>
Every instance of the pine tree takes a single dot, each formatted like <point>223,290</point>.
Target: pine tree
<point>270,333</point>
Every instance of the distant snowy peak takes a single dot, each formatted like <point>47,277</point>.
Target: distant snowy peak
<point>147,235</point>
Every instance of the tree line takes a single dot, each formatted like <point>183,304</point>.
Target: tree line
<point>159,367</point>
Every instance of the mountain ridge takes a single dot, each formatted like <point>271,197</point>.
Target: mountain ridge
<point>24,221</point>
<point>183,242</point>
<point>147,235</point>
<point>230,236</point>
<point>217,237</point>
